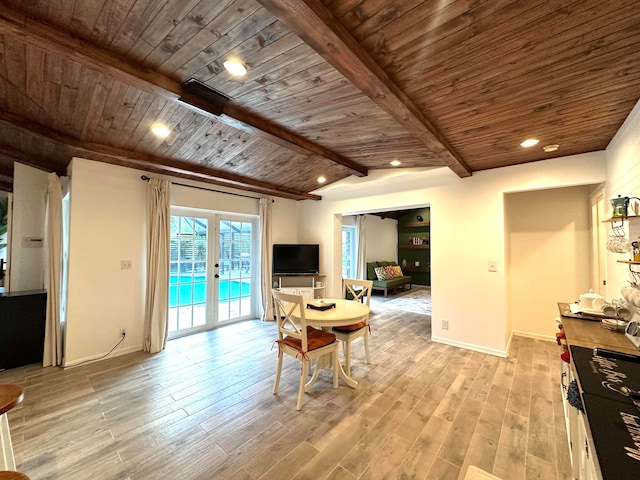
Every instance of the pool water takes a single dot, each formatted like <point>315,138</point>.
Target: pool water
<point>196,292</point>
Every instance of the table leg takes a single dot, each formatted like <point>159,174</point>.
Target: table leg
<point>325,363</point>
<point>314,377</point>
<point>7,461</point>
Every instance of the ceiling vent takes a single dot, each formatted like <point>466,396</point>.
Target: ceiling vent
<point>201,91</point>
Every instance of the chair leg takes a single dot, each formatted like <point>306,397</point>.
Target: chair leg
<point>303,377</point>
<point>366,346</point>
<point>336,366</point>
<point>278,372</point>
<point>347,356</point>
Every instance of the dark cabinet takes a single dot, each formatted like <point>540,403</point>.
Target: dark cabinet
<point>22,322</point>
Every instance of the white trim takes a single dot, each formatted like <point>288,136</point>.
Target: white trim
<point>95,358</point>
<point>535,336</point>
<point>470,346</point>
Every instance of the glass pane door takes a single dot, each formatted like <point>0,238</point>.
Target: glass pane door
<point>188,282</point>
<point>236,269</point>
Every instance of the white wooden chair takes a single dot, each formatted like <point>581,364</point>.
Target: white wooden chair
<point>360,291</point>
<point>300,340</point>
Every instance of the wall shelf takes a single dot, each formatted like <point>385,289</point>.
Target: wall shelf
<point>411,230</point>
<point>416,269</point>
<point>620,219</point>
<point>414,224</point>
<point>635,274</point>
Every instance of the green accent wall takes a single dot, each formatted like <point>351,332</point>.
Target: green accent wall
<point>414,245</point>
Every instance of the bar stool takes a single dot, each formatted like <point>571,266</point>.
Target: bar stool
<point>11,395</point>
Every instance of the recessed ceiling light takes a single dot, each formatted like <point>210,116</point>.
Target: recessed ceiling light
<point>322,179</point>
<point>551,148</point>
<point>235,67</point>
<point>396,163</point>
<point>529,142</point>
<point>160,130</point>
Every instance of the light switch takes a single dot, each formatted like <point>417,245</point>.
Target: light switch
<point>492,266</point>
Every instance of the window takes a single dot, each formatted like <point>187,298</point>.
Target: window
<point>348,251</point>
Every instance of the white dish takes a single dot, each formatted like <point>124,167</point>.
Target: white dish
<point>612,324</point>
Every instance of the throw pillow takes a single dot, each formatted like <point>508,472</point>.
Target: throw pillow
<point>381,273</point>
<point>398,271</point>
<point>371,274</point>
<point>390,271</point>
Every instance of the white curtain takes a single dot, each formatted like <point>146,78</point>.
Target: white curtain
<point>361,248</point>
<point>53,353</point>
<point>157,295</point>
<point>265,258</point>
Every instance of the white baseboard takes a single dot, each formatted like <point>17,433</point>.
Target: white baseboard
<point>471,346</point>
<point>532,335</point>
<point>96,358</point>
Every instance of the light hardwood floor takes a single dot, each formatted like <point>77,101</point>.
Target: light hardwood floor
<point>203,409</point>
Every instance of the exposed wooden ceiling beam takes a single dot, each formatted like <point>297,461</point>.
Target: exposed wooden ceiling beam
<point>15,155</point>
<point>319,29</point>
<point>120,69</point>
<point>160,165</point>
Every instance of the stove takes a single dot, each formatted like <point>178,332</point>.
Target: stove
<point>613,418</point>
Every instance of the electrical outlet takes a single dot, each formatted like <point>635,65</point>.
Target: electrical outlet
<point>492,266</point>
<point>445,324</point>
<point>125,264</point>
<point>123,332</point>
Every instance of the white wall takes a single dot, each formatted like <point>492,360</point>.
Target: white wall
<point>467,230</point>
<point>548,255</point>
<point>382,239</point>
<point>28,221</point>
<point>108,224</point>
<point>623,178</point>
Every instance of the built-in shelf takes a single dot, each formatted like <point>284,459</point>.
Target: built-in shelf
<point>413,245</point>
<point>414,224</point>
<point>628,262</point>
<point>416,269</point>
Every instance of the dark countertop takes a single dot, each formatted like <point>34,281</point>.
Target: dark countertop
<point>611,416</point>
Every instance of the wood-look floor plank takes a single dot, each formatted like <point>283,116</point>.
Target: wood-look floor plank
<point>204,409</point>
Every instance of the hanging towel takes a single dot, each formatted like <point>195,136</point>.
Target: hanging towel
<point>573,396</point>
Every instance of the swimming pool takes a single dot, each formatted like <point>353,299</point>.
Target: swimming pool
<point>187,293</point>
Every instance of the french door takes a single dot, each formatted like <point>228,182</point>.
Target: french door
<point>212,277</point>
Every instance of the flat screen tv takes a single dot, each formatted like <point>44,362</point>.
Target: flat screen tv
<point>296,259</point>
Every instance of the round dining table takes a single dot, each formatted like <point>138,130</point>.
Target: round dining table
<point>345,312</point>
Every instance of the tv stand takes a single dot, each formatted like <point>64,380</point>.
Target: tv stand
<point>310,286</point>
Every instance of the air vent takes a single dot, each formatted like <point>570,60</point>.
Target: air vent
<point>204,92</point>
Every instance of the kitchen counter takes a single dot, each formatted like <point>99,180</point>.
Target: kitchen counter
<point>590,333</point>
<point>612,421</point>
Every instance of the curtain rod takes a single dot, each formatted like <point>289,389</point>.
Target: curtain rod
<point>146,179</point>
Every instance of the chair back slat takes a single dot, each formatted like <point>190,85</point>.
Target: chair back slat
<point>358,289</point>
<point>286,305</point>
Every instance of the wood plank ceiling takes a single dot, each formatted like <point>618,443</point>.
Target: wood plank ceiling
<point>334,87</point>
